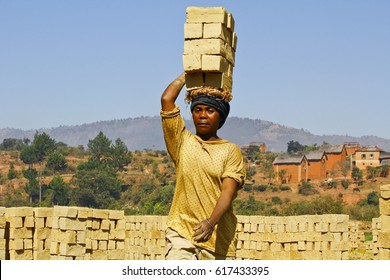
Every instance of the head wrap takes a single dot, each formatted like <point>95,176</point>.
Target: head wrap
<point>222,106</point>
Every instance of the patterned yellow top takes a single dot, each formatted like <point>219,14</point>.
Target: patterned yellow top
<point>200,168</point>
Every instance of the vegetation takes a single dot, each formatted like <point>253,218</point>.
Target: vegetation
<point>105,174</point>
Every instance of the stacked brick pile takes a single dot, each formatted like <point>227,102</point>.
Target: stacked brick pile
<point>68,232</point>
<point>145,237</point>
<point>3,222</point>
<point>42,233</point>
<point>21,230</point>
<point>106,235</point>
<point>209,48</point>
<point>293,238</point>
<point>384,220</point>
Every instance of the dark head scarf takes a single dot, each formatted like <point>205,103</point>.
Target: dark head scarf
<point>222,106</point>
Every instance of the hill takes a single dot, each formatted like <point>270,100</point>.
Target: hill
<point>145,133</point>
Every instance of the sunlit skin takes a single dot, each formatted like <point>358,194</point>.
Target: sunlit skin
<point>206,120</point>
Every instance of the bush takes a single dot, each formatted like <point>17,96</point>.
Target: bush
<point>276,200</point>
<point>345,184</point>
<point>284,188</point>
<point>261,188</point>
<point>307,189</point>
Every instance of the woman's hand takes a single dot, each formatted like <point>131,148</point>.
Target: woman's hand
<point>203,231</point>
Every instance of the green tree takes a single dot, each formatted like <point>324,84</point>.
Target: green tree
<point>61,192</point>
<point>357,174</point>
<point>12,174</point>
<point>39,149</point>
<point>295,146</point>
<point>56,162</point>
<point>32,187</point>
<point>120,156</point>
<point>98,186</point>
<point>99,147</point>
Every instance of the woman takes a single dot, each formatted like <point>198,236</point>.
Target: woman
<point>209,171</point>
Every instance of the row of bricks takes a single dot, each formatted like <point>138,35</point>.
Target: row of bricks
<point>293,246</point>
<point>294,227</point>
<point>291,255</point>
<point>293,237</point>
<point>63,211</point>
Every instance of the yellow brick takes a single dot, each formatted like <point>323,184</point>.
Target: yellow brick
<point>206,14</point>
<point>15,233</point>
<point>193,31</point>
<point>71,224</point>
<point>16,244</point>
<point>29,222</point>
<point>15,222</point>
<point>100,213</point>
<point>43,212</point>
<point>28,244</point>
<point>105,225</point>
<point>217,31</point>
<point>19,212</point>
<point>102,245</point>
<point>205,46</point>
<point>84,213</point>
<point>193,80</point>
<point>221,81</point>
<point>230,22</point>
<point>192,62</point>
<point>116,214</point>
<point>214,63</point>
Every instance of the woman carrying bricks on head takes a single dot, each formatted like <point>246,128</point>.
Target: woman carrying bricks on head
<point>209,171</point>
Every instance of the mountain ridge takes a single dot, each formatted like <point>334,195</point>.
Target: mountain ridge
<point>145,132</point>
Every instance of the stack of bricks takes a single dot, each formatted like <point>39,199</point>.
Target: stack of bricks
<point>209,48</point>
<point>3,223</point>
<point>106,235</point>
<point>68,234</point>
<point>293,238</point>
<point>21,230</point>
<point>42,233</point>
<point>145,237</point>
<point>384,233</point>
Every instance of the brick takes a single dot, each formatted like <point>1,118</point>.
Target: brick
<point>217,31</point>
<point>206,14</point>
<point>71,250</point>
<point>230,22</point>
<point>105,225</point>
<point>19,212</point>
<point>65,211</point>
<point>220,80</point>
<point>193,80</point>
<point>15,233</point>
<point>29,222</point>
<point>43,212</point>
<point>100,213</point>
<point>385,220</point>
<point>16,244</point>
<point>84,213</point>
<point>193,31</point>
<point>384,206</point>
<point>214,63</point>
<point>15,222</point>
<point>192,62</point>
<point>71,224</point>
<point>205,46</point>
<point>116,214</point>
<point>69,236</point>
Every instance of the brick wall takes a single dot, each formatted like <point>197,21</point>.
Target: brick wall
<point>77,233</point>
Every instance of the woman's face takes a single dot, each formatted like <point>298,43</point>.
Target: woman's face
<point>206,120</point>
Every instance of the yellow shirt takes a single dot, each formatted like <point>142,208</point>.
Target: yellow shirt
<point>200,168</point>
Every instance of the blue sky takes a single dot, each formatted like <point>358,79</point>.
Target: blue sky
<point>323,66</point>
